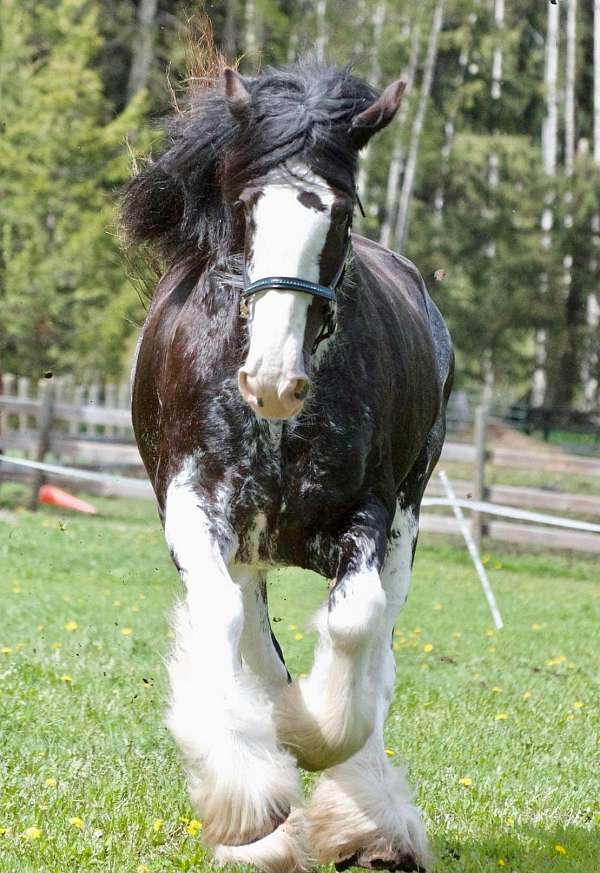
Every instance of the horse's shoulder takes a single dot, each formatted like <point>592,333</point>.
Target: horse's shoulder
<point>391,270</point>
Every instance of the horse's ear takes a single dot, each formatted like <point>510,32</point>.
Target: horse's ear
<point>238,96</point>
<point>378,115</point>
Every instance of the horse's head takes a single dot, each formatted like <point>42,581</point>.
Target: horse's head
<point>297,219</point>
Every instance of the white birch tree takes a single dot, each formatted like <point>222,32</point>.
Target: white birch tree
<point>362,181</point>
<point>142,49</point>
<point>402,224</point>
<point>549,157</point>
<point>395,167</point>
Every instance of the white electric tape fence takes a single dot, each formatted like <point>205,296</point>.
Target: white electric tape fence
<point>451,500</point>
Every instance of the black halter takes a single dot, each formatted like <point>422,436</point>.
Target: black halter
<point>290,283</point>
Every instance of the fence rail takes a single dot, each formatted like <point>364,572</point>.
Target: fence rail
<point>91,427</point>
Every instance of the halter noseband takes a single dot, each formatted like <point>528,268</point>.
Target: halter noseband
<point>291,283</point>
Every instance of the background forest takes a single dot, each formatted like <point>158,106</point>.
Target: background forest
<point>489,178</point>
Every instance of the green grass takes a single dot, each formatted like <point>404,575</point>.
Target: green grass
<point>535,781</point>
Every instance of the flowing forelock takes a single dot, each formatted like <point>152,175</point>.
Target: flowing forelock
<point>182,205</point>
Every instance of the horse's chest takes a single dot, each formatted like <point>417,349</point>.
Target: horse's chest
<point>296,488</point>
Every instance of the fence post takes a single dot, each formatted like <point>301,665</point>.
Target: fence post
<point>479,488</point>
<point>46,415</point>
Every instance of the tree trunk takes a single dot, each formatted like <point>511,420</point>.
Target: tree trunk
<point>395,168</point>
<point>549,152</point>
<point>569,341</point>
<point>402,223</point>
<point>321,38</point>
<point>362,182</point>
<point>142,50</point>
<point>229,36</point>
<point>591,358</point>
<point>449,132</point>
<point>251,35</point>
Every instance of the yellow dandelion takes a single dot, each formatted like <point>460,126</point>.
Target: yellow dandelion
<point>579,704</point>
<point>142,596</point>
<point>143,869</point>
<point>496,690</point>
<point>536,627</point>
<point>497,565</point>
<point>527,695</point>
<point>491,649</point>
<point>466,781</point>
<point>135,608</point>
<point>501,716</point>
<point>501,862</point>
<point>40,627</point>
<point>437,606</point>
<point>4,831</point>
<point>71,625</point>
<point>6,650</point>
<point>509,822</point>
<point>57,646</point>
<point>456,635</point>
<point>117,603</point>
<point>486,558</point>
<point>424,666</point>
<point>292,627</point>
<point>390,753</point>
<point>32,833</point>
<point>489,633</point>
<point>298,637</point>
<point>184,820</point>
<point>76,822</point>
<point>428,647</point>
<point>19,647</point>
<point>396,647</point>
<point>66,678</point>
<point>560,849</point>
<point>194,827</point>
<point>157,826</point>
<point>17,590</point>
<point>569,716</point>
<point>554,662</point>
<point>417,631</point>
<point>51,782</point>
<point>127,631</point>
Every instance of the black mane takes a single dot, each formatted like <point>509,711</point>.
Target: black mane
<point>183,202</point>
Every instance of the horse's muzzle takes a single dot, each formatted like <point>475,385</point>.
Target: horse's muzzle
<point>274,398</point>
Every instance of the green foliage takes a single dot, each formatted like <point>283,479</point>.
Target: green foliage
<point>64,294</point>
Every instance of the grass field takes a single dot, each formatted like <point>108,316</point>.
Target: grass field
<point>501,730</point>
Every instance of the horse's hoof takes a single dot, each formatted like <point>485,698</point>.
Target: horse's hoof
<point>386,860</point>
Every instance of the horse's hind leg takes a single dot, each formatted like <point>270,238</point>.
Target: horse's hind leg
<point>361,813</point>
<point>242,784</point>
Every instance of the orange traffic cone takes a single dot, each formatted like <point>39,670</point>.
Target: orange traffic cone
<point>54,496</point>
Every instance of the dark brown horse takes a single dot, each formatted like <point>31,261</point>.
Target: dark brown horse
<point>297,429</point>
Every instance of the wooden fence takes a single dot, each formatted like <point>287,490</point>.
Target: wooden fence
<point>91,428</point>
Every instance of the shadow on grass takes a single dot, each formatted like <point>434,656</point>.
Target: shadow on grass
<point>524,850</point>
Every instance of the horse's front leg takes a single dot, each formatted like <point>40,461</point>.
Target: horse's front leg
<point>327,716</point>
<point>361,813</point>
<point>242,784</point>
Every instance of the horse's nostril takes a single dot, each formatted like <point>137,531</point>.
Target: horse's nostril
<point>301,389</point>
<point>260,402</point>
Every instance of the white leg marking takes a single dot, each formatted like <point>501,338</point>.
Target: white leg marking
<point>362,807</point>
<point>258,652</point>
<point>327,716</point>
<point>242,784</point>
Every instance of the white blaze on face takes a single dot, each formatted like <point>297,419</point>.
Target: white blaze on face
<point>288,240</point>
